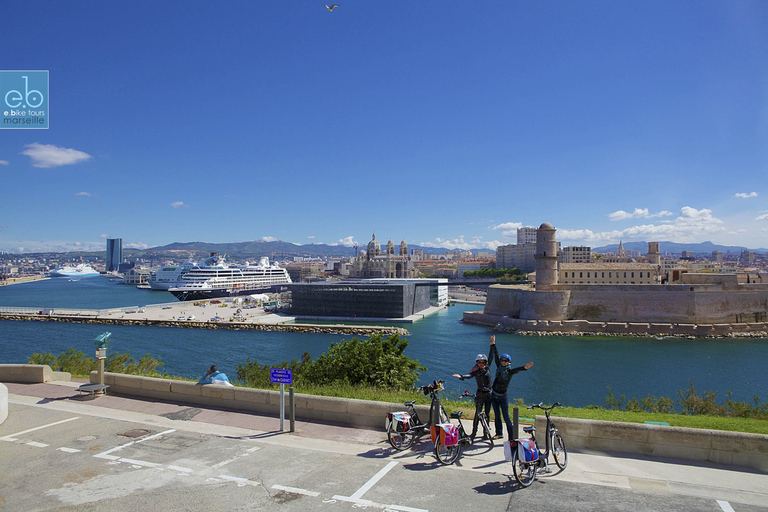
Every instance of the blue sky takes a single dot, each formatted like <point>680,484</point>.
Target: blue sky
<point>443,123</point>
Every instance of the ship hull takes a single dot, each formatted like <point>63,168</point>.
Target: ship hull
<point>186,295</point>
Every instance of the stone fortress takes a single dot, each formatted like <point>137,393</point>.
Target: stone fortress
<point>697,304</point>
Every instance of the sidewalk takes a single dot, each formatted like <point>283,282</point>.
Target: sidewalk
<point>637,474</point>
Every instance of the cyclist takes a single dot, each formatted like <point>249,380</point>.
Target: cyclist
<point>482,376</point>
<point>499,400</point>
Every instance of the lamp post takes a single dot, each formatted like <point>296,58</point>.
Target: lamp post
<point>101,354</point>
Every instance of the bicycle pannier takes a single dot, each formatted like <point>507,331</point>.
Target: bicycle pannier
<point>448,432</point>
<point>400,420</point>
<point>527,450</point>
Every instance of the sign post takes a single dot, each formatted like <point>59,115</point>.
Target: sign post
<point>281,376</point>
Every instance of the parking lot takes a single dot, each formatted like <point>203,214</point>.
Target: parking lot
<point>62,452</point>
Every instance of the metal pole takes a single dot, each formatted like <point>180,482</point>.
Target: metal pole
<point>292,409</point>
<point>515,423</point>
<point>282,407</point>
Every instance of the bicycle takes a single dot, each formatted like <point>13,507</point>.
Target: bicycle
<point>525,470</point>
<point>448,454</point>
<point>403,427</point>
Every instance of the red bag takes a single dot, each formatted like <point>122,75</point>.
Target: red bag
<point>448,432</point>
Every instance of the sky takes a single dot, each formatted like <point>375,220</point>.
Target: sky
<point>443,123</point>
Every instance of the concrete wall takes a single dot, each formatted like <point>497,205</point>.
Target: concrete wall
<point>30,373</point>
<point>732,448</point>
<point>3,403</point>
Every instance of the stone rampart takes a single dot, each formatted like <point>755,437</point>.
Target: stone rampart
<point>30,373</point>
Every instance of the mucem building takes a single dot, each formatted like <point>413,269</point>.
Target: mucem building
<point>369,299</point>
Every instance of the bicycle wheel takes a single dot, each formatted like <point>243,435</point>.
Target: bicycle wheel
<point>558,450</point>
<point>525,472</point>
<point>399,440</point>
<point>486,429</point>
<point>447,454</point>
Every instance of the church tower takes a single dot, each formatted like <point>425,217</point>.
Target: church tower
<point>546,257</point>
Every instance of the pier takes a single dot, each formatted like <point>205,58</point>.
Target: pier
<point>196,315</point>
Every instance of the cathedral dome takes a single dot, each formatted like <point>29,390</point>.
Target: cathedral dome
<point>390,247</point>
<point>374,249</point>
<point>403,248</point>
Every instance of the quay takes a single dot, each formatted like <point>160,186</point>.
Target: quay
<point>199,315</point>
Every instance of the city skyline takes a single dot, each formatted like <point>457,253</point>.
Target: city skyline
<point>439,124</point>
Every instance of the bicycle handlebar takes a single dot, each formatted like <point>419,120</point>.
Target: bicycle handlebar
<point>540,405</point>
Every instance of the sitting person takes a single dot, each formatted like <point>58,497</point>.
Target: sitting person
<point>214,376</point>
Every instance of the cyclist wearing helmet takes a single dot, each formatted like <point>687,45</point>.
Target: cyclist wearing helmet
<point>504,373</point>
<point>482,375</point>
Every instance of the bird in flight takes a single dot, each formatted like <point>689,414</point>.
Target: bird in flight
<point>331,7</point>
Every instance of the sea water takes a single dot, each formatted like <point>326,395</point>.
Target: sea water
<point>574,370</point>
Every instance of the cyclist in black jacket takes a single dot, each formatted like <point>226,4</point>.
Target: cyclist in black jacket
<point>482,375</point>
<point>499,399</point>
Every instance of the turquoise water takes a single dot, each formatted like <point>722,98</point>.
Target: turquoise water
<point>576,371</point>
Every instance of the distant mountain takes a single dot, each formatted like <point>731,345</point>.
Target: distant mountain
<point>258,248</point>
<point>676,248</point>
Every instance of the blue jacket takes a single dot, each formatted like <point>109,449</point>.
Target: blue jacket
<point>208,379</point>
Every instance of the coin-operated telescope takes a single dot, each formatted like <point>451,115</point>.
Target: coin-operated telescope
<point>101,352</point>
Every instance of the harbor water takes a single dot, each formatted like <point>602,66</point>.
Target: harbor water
<point>576,371</point>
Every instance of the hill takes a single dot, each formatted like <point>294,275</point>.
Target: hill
<point>705,248</point>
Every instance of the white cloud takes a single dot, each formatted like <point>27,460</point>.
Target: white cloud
<point>269,239</point>
<point>508,229</point>
<point>639,213</point>
<point>27,246</point>
<point>104,235</point>
<point>745,195</point>
<point>4,162</point>
<point>136,245</point>
<point>691,225</point>
<point>762,216</point>
<point>48,155</point>
<point>460,243</point>
<point>88,194</point>
<point>311,237</point>
<point>348,241</point>
<point>179,204</point>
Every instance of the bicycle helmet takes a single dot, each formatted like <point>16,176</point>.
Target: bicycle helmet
<point>481,357</point>
<point>505,356</point>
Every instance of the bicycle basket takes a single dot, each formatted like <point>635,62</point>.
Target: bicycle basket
<point>448,432</point>
<point>527,450</point>
<point>400,420</point>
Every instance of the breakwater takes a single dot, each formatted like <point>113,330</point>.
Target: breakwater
<point>519,326</point>
<point>356,330</point>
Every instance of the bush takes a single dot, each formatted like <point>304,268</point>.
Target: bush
<point>76,363</point>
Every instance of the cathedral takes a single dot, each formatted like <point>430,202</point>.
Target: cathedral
<point>372,263</point>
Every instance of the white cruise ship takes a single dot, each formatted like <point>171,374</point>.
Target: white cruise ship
<point>81,270</point>
<point>170,276</point>
<point>214,278</point>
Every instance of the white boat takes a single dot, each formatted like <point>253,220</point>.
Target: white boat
<point>214,278</point>
<point>81,270</point>
<point>170,276</point>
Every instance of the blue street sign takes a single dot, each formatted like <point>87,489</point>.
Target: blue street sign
<point>281,376</point>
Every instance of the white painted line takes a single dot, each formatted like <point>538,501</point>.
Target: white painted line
<point>240,481</point>
<point>68,450</point>
<point>10,437</point>
<point>295,490</point>
<point>725,506</point>
<point>105,455</point>
<point>140,463</point>
<point>370,483</point>
<point>36,445</point>
<point>245,454</point>
<point>406,509</point>
<point>179,468</point>
<point>358,503</point>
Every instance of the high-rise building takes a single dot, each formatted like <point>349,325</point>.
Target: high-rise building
<point>114,253</point>
<point>526,235</point>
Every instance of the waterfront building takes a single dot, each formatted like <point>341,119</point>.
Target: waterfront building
<point>469,265</point>
<point>526,235</point>
<point>607,273</point>
<point>370,298</point>
<point>114,254</point>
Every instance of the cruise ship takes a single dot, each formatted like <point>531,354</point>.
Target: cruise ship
<point>81,270</point>
<point>215,278</point>
<point>170,276</point>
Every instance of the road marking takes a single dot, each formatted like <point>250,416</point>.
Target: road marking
<point>240,481</point>
<point>179,468</point>
<point>106,454</point>
<point>357,501</point>
<point>140,463</point>
<point>725,506</point>
<point>233,459</point>
<point>370,483</point>
<point>11,438</point>
<point>68,450</point>
<point>36,445</point>
<point>295,490</point>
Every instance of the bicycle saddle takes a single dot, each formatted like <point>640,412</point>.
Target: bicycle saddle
<point>530,428</point>
<point>456,415</point>
<point>409,403</point>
